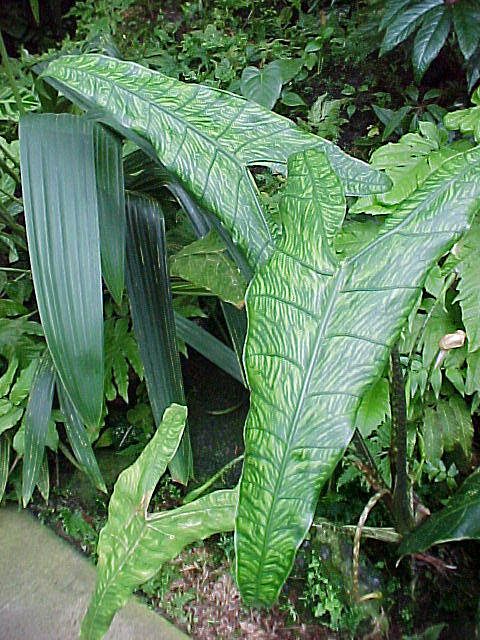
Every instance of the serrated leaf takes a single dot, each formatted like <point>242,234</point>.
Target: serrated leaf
<point>205,264</point>
<point>4,463</point>
<point>120,349</point>
<point>319,336</point>
<point>148,286</point>
<point>177,123</point>
<point>134,543</point>
<point>458,520</point>
<point>405,23</point>
<point>262,85</point>
<point>466,21</point>
<point>61,211</point>
<point>374,408</point>
<point>439,324</point>
<point>430,38</point>
<point>36,421</point>
<point>79,440</point>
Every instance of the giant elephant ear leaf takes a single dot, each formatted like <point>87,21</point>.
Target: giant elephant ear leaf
<point>205,137</point>
<point>134,544</point>
<point>57,158</point>
<point>320,334</point>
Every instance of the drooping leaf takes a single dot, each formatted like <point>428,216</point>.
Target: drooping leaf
<point>262,85</point>
<point>430,39</point>
<point>205,263</point>
<point>61,211</point>
<point>405,23</point>
<point>79,440</point>
<point>209,346</point>
<point>206,138</point>
<point>319,335</point>
<point>148,286</point>
<point>4,463</point>
<point>111,209</point>
<point>134,543</point>
<point>37,417</point>
<point>466,21</point>
<point>458,520</point>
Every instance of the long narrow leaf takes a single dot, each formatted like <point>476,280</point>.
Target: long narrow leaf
<point>209,346</point>
<point>134,544</point>
<point>37,416</point>
<point>79,441</point>
<point>148,285</point>
<point>205,137</point>
<point>111,209</point>
<point>319,336</point>
<point>61,211</point>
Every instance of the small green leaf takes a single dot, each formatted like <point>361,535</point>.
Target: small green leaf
<point>7,378</point>
<point>21,388</point>
<point>262,85</point>
<point>288,68</point>
<point>374,408</point>
<point>4,463</point>
<point>292,99</point>
<point>205,263</point>
<point>469,286</point>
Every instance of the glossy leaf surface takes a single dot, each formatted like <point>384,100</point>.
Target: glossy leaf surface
<point>205,137</point>
<point>469,286</point>
<point>319,336</point>
<point>134,544</point>
<point>36,420</point>
<point>148,285</point>
<point>430,39</point>
<point>205,263</point>
<point>61,212</point>
<point>458,520</point>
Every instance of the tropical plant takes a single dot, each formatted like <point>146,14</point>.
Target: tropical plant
<point>433,20</point>
<point>320,328</point>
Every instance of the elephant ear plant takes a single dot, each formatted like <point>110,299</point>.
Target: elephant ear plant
<point>320,330</point>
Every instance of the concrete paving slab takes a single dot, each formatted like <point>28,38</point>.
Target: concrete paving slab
<point>45,587</point>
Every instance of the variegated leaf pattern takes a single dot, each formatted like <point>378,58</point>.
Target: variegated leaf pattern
<point>204,136</point>
<point>319,336</point>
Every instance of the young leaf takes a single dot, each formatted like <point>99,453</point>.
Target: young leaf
<point>320,334</point>
<point>458,520</point>
<point>134,544</point>
<point>61,211</point>
<point>148,286</point>
<point>205,264</point>
<point>176,122</point>
<point>262,85</point>
<point>37,417</point>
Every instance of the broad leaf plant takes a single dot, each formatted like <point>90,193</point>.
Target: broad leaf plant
<point>321,324</point>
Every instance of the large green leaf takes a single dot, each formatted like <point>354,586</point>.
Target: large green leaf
<point>61,212</point>
<point>111,209</point>
<point>458,520</point>
<point>134,544</point>
<point>79,440</point>
<point>37,417</point>
<point>148,286</point>
<point>466,20</point>
<point>262,85</point>
<point>205,263</point>
<point>319,336</point>
<point>469,286</point>
<point>430,39</point>
<point>205,137</point>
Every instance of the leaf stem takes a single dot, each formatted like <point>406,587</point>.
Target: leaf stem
<point>192,495</point>
<point>8,70</point>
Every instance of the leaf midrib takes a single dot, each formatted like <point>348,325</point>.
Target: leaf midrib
<point>210,141</point>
